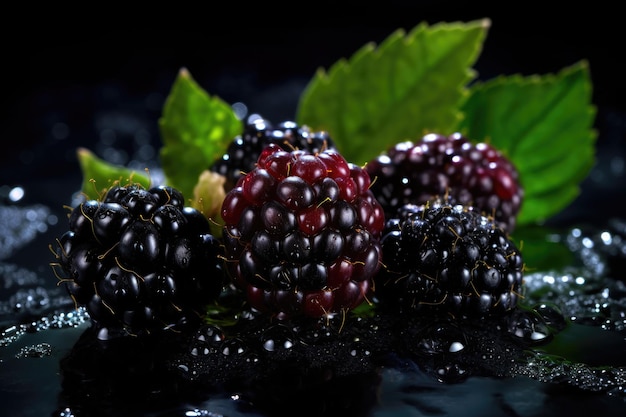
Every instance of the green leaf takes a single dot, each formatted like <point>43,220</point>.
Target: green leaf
<point>411,84</point>
<point>544,125</point>
<point>196,129</point>
<point>99,175</point>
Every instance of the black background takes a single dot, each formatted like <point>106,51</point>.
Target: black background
<point>99,68</point>
<point>263,58</point>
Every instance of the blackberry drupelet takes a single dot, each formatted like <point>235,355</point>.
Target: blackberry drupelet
<point>139,260</point>
<point>446,257</point>
<point>302,233</point>
<point>244,150</point>
<point>473,174</point>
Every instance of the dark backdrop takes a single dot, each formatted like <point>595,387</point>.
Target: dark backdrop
<point>70,88</point>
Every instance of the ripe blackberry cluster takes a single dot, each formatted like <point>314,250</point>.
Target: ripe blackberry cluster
<point>471,174</point>
<point>445,257</point>
<point>245,149</point>
<point>302,232</point>
<point>140,260</point>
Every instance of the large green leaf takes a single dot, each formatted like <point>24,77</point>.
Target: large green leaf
<point>411,84</point>
<point>544,124</point>
<point>99,175</point>
<point>195,129</point>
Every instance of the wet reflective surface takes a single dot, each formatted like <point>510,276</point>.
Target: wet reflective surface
<point>563,353</point>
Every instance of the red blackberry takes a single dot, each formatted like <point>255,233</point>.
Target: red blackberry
<point>244,150</point>
<point>302,233</point>
<point>139,260</point>
<point>448,257</point>
<point>471,174</point>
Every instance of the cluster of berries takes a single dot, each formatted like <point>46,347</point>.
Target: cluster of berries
<point>471,174</point>
<point>302,232</point>
<point>306,233</point>
<point>450,257</point>
<point>139,260</point>
<point>242,153</point>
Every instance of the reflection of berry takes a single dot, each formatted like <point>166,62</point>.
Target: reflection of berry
<point>302,233</point>
<point>471,174</point>
<point>121,376</point>
<point>448,257</point>
<point>244,150</point>
<point>139,260</point>
<point>331,364</point>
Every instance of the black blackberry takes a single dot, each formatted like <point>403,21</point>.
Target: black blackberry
<point>244,150</point>
<point>139,260</point>
<point>473,174</point>
<point>302,233</point>
<point>440,256</point>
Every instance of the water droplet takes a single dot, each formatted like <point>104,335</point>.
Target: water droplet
<point>456,347</point>
<point>60,131</point>
<point>277,337</point>
<point>66,412</point>
<point>35,351</point>
<point>233,347</point>
<point>16,194</point>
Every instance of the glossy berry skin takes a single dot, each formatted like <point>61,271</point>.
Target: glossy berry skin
<point>469,173</point>
<point>243,152</point>
<point>302,231</point>
<point>140,261</point>
<point>450,258</point>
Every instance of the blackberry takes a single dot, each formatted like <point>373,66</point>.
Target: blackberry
<point>302,232</point>
<point>473,174</point>
<point>445,257</point>
<point>139,260</point>
<point>245,149</point>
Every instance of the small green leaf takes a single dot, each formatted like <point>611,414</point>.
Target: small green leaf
<point>195,129</point>
<point>411,84</point>
<point>99,175</point>
<point>544,124</point>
